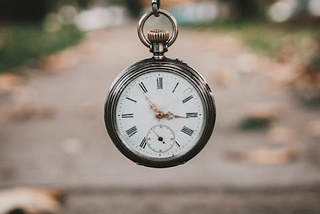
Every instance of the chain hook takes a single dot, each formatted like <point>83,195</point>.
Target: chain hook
<point>156,6</point>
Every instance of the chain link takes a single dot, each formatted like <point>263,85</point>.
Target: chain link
<point>156,6</point>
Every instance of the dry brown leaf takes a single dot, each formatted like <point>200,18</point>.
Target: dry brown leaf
<point>284,74</point>
<point>313,128</point>
<point>26,113</point>
<point>72,146</point>
<point>281,135</point>
<point>63,60</point>
<point>226,78</point>
<point>267,157</point>
<point>261,117</point>
<point>286,54</point>
<point>270,111</point>
<point>246,62</point>
<point>91,111</point>
<point>31,201</point>
<point>8,82</point>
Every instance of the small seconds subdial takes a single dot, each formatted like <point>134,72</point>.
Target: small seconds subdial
<point>160,138</point>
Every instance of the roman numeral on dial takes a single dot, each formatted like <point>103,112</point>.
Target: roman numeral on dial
<point>160,83</point>
<point>187,131</point>
<point>175,87</point>
<point>190,115</point>
<point>178,144</point>
<point>143,143</point>
<point>132,131</point>
<point>187,99</point>
<point>143,87</point>
<point>132,100</point>
<point>127,116</point>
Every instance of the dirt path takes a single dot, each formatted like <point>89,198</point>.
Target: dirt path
<point>194,202</point>
<point>66,144</point>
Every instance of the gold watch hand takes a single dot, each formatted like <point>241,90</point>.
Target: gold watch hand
<point>152,105</point>
<point>170,116</point>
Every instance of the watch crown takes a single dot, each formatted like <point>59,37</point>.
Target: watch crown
<point>158,36</point>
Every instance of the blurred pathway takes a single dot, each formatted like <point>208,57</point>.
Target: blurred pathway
<point>71,148</point>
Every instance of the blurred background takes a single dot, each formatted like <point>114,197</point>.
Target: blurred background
<point>58,59</point>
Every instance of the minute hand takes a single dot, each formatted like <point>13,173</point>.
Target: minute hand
<point>152,105</point>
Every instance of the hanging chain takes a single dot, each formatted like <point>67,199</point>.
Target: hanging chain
<point>156,6</point>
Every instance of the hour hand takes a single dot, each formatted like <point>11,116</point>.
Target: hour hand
<point>170,116</point>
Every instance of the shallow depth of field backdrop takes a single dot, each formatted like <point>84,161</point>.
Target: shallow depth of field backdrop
<point>260,57</point>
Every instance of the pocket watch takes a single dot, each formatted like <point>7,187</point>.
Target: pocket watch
<point>160,112</point>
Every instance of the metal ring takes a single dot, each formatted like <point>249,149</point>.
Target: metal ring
<point>146,16</point>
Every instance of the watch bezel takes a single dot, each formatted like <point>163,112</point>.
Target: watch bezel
<point>168,65</point>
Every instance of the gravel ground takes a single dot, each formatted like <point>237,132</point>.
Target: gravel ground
<point>56,137</point>
<point>293,202</point>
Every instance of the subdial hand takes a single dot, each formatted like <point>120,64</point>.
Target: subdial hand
<point>159,138</point>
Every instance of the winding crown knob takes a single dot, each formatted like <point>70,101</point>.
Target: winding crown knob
<point>158,36</point>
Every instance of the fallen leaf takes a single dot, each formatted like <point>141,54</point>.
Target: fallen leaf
<point>267,157</point>
<point>72,146</point>
<point>267,110</point>
<point>226,77</point>
<point>92,110</point>
<point>261,116</point>
<point>246,62</point>
<point>286,54</point>
<point>26,113</point>
<point>31,201</point>
<point>8,82</point>
<point>313,128</point>
<point>280,134</point>
<point>63,60</point>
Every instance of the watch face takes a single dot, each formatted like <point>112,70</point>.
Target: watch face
<point>159,115</point>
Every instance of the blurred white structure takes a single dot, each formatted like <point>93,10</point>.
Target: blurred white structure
<point>67,14</point>
<point>192,13</point>
<point>282,11</point>
<point>314,7</point>
<point>285,10</point>
<point>99,18</point>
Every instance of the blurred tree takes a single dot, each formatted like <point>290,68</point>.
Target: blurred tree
<point>84,3</point>
<point>34,10</point>
<point>134,6</point>
<point>22,10</point>
<point>249,9</point>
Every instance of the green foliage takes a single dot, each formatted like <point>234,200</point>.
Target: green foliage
<point>249,9</point>
<point>23,44</point>
<point>255,123</point>
<point>268,38</point>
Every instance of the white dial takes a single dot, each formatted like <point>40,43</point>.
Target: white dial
<point>160,115</point>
